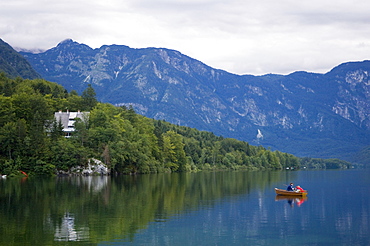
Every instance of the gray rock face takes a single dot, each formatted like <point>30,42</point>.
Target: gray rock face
<point>94,167</point>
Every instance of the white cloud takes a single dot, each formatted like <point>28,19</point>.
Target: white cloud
<point>244,37</point>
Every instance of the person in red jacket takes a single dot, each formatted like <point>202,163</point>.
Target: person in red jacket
<point>299,188</point>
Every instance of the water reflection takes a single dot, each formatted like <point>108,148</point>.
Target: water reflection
<point>291,200</point>
<point>67,230</point>
<point>95,209</point>
<point>334,215</point>
<point>225,208</point>
<point>88,183</point>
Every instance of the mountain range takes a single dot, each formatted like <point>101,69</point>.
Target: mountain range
<point>306,114</point>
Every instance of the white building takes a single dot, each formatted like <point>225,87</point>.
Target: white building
<point>68,120</point>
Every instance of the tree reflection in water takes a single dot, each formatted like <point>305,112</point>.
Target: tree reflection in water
<point>94,209</point>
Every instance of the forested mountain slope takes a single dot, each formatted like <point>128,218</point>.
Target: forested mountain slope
<point>14,64</point>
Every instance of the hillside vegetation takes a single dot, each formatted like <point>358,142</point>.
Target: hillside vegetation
<point>32,141</point>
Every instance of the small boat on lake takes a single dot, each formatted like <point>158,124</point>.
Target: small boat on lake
<point>290,193</point>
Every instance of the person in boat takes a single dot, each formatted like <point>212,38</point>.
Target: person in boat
<point>290,187</point>
<point>299,188</point>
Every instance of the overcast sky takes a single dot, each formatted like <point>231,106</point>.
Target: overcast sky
<point>240,36</point>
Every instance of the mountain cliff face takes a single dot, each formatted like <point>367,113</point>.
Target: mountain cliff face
<point>306,114</point>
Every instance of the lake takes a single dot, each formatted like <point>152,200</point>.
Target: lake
<point>206,208</point>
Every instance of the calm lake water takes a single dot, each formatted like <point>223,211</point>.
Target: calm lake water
<point>220,208</point>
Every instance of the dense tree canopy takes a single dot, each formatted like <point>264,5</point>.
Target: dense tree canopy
<point>31,140</point>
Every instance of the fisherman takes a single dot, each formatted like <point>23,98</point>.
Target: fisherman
<point>290,187</point>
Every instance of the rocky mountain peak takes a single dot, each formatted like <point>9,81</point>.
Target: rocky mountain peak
<point>66,41</point>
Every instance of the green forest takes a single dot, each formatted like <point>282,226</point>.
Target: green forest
<point>32,141</point>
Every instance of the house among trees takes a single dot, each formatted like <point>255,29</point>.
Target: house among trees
<point>68,119</point>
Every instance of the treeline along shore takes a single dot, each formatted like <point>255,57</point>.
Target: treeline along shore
<point>33,141</point>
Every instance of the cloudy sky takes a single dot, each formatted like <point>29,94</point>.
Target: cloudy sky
<point>240,36</point>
